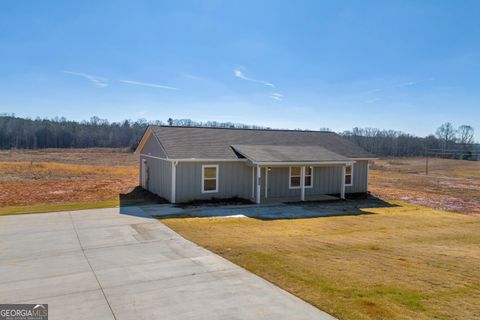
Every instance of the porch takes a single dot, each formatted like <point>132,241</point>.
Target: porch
<point>317,197</point>
<point>295,173</point>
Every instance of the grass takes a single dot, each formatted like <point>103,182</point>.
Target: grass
<point>401,262</point>
<point>41,208</point>
<point>452,185</point>
<point>60,176</point>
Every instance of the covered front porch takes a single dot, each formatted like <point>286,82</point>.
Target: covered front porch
<point>294,173</point>
<point>314,197</point>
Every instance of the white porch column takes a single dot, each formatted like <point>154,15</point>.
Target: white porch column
<point>174,179</point>
<point>253,182</point>
<point>259,175</point>
<point>342,191</point>
<point>302,183</point>
<point>266,182</point>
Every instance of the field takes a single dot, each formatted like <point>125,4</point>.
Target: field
<point>394,262</point>
<point>56,177</point>
<point>452,185</point>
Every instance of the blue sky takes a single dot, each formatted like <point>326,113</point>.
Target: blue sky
<point>404,65</point>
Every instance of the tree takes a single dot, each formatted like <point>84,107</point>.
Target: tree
<point>446,133</point>
<point>465,134</point>
<point>170,121</point>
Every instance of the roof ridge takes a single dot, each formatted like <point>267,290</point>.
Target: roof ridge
<point>246,129</point>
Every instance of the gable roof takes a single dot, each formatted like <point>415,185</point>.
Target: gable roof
<point>216,143</point>
<point>267,153</point>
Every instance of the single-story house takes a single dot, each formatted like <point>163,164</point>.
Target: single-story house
<point>194,163</point>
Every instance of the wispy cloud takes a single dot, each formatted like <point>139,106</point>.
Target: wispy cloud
<point>239,74</point>
<point>147,84</point>
<point>400,85</point>
<point>277,96</point>
<point>95,80</point>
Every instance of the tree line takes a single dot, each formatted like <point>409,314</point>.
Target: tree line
<point>448,141</point>
<point>39,133</point>
<point>23,133</point>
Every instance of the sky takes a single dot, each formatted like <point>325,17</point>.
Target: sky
<point>402,65</point>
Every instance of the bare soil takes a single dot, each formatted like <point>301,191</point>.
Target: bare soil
<point>56,176</point>
<point>452,185</point>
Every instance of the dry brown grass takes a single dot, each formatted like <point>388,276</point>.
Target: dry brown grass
<point>59,176</point>
<point>451,184</point>
<point>404,262</point>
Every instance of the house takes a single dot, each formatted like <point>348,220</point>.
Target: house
<point>191,163</point>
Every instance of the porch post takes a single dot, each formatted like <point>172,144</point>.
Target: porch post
<point>253,182</point>
<point>302,183</point>
<point>266,182</point>
<point>259,174</point>
<point>342,191</point>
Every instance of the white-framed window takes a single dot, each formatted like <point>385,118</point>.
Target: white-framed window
<point>294,177</point>
<point>349,175</point>
<point>209,178</point>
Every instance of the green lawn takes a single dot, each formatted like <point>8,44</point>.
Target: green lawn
<point>403,262</point>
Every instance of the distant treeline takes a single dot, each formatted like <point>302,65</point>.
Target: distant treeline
<point>448,142</point>
<point>60,133</point>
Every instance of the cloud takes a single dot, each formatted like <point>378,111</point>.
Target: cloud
<point>146,84</point>
<point>239,74</point>
<point>277,96</point>
<point>400,85</point>
<point>96,81</point>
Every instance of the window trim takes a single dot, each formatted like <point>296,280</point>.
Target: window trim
<point>349,174</point>
<point>290,177</point>
<point>204,166</point>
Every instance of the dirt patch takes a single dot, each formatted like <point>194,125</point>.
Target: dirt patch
<point>56,176</point>
<point>452,185</point>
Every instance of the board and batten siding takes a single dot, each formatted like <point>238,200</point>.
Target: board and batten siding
<point>360,177</point>
<point>159,176</point>
<point>235,180</point>
<point>326,180</point>
<point>152,147</point>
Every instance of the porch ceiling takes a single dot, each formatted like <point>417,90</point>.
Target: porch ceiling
<point>288,154</point>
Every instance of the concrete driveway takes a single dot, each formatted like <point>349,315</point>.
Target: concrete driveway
<point>99,264</point>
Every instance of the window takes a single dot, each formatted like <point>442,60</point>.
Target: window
<point>209,178</point>
<point>349,175</point>
<point>295,173</point>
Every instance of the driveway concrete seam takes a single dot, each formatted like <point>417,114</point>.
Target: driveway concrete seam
<point>60,295</point>
<point>169,278</point>
<point>91,268</point>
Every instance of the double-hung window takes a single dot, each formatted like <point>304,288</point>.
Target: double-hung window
<point>295,177</point>
<point>349,175</point>
<point>209,178</point>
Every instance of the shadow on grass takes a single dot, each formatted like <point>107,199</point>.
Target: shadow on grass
<point>296,210</point>
<point>139,197</point>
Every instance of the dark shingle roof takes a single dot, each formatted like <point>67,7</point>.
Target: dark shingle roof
<point>266,153</point>
<point>215,143</point>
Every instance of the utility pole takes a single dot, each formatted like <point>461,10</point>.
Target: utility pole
<point>426,165</point>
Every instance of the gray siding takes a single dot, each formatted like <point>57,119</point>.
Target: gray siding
<point>360,180</point>
<point>235,179</point>
<point>159,176</point>
<point>152,147</point>
<point>326,180</point>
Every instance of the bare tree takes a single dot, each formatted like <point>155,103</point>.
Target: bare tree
<point>446,133</point>
<point>465,134</point>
